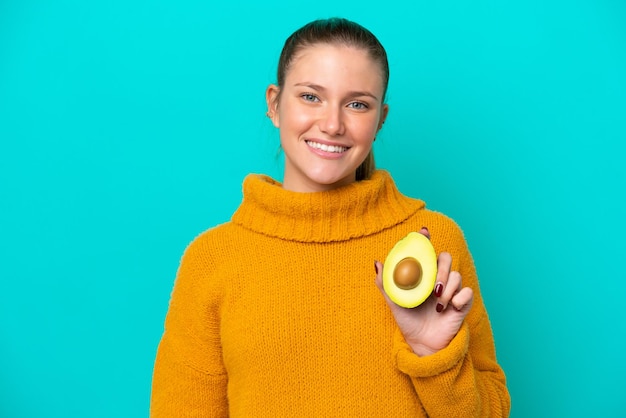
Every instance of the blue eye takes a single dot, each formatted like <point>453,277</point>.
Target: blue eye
<point>358,105</point>
<point>309,97</point>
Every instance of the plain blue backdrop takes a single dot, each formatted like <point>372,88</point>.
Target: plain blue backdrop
<point>127,127</point>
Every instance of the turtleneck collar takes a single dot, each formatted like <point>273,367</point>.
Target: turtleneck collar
<point>358,209</point>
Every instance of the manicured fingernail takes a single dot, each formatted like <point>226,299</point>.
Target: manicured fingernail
<point>439,307</point>
<point>439,289</point>
<point>376,266</point>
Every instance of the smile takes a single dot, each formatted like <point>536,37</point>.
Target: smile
<point>327,148</point>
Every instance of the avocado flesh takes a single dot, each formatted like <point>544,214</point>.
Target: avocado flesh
<point>410,292</point>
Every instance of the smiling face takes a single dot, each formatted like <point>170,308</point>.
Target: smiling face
<point>328,112</point>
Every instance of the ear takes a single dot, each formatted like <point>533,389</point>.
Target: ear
<point>271,98</point>
<point>383,116</point>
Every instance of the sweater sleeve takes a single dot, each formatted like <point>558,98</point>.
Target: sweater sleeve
<point>189,378</point>
<point>464,379</point>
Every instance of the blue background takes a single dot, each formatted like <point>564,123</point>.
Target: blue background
<point>127,127</point>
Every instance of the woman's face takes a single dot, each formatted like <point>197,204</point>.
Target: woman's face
<point>328,112</point>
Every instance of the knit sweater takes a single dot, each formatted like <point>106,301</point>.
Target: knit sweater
<point>276,314</point>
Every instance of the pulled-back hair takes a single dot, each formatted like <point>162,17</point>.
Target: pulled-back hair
<point>336,31</point>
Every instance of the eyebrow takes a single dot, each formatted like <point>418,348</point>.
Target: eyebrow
<point>317,87</point>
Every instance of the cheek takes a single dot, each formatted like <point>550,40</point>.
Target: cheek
<point>297,121</point>
<point>366,131</point>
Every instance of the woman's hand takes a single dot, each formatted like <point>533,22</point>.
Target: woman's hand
<point>431,326</point>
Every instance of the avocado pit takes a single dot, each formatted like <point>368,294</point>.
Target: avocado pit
<point>407,273</point>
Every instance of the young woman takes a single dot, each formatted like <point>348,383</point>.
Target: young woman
<point>278,312</point>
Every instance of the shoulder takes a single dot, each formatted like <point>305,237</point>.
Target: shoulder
<point>445,232</point>
<point>424,216</point>
<point>442,223</point>
<point>211,242</point>
<point>203,260</point>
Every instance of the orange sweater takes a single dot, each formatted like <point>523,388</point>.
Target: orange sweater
<point>276,314</point>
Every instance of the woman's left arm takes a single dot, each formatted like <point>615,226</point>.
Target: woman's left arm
<point>446,344</point>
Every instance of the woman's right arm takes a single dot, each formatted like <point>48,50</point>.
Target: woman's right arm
<point>189,378</point>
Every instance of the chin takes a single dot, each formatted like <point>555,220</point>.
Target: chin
<point>330,180</point>
<point>317,177</point>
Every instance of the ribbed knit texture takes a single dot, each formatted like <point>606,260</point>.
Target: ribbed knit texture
<point>276,314</point>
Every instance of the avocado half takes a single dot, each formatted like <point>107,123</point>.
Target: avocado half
<point>410,270</point>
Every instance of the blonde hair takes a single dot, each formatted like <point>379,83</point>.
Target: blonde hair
<point>367,167</point>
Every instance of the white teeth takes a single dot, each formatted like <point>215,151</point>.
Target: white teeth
<point>326,148</point>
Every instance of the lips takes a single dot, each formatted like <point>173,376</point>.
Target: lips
<point>327,148</point>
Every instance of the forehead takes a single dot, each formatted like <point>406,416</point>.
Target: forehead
<point>335,61</point>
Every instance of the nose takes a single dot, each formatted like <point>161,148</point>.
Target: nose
<point>332,122</point>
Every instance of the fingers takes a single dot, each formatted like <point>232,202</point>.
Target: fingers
<point>379,283</point>
<point>444,263</point>
<point>449,286</point>
<point>462,301</point>
<point>378,266</point>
